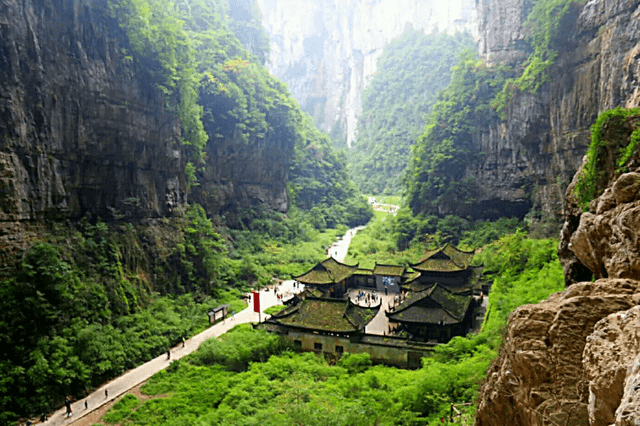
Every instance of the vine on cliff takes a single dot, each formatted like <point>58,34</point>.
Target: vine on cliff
<point>435,178</point>
<point>543,24</point>
<point>588,183</point>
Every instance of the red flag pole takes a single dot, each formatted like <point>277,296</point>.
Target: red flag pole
<point>256,304</point>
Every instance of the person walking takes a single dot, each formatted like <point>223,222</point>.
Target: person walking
<point>106,393</point>
<point>183,341</point>
<point>169,353</point>
<point>67,403</point>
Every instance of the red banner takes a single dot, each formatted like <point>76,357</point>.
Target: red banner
<point>256,301</point>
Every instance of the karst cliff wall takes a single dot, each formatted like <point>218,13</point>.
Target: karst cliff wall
<point>530,156</point>
<point>325,50</point>
<point>85,131</point>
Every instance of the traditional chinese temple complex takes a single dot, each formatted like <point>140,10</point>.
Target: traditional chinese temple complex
<point>437,298</point>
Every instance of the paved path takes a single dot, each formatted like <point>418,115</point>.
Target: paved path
<point>339,249</point>
<point>134,377</point>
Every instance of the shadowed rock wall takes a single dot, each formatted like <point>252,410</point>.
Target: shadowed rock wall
<point>573,358</point>
<point>82,130</point>
<point>531,156</point>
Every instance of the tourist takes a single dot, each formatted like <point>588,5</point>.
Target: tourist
<point>67,403</point>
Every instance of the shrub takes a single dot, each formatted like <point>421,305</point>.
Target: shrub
<point>355,363</point>
<point>589,183</point>
<point>238,347</point>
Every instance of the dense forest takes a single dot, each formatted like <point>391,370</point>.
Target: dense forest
<point>410,74</point>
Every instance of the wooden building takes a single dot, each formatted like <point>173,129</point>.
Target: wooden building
<point>442,292</point>
<point>329,276</point>
<point>440,298</point>
<point>435,314</point>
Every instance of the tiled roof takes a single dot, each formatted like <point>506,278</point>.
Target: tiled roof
<point>433,305</point>
<point>410,276</point>
<point>389,270</point>
<point>329,271</point>
<point>337,315</point>
<point>444,259</point>
<point>362,271</point>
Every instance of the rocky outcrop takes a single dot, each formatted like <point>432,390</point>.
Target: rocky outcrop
<point>573,359</point>
<point>611,363</point>
<point>539,378</point>
<point>326,50</point>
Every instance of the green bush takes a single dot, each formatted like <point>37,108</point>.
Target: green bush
<point>122,409</point>
<point>355,363</point>
<point>589,183</point>
<point>274,309</point>
<point>238,347</point>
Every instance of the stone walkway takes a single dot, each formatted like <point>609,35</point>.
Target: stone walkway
<point>132,378</point>
<point>339,249</point>
<point>380,323</point>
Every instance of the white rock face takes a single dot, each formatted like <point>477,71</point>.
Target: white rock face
<point>326,50</point>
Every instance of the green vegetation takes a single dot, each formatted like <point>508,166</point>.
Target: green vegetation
<point>603,152</point>
<point>196,54</point>
<point>524,271</point>
<point>402,239</point>
<point>544,26</point>
<point>274,309</point>
<point>99,299</point>
<point>272,245</point>
<point>435,181</point>
<point>410,73</point>
<point>289,389</point>
<point>320,185</point>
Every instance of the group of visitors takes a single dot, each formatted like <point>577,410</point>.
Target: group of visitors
<point>369,298</point>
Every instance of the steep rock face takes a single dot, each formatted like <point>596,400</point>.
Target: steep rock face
<point>611,362</point>
<point>502,37</point>
<point>325,50</point>
<point>81,129</point>
<point>530,157</point>
<point>85,131</point>
<point>539,378</point>
<point>240,175</point>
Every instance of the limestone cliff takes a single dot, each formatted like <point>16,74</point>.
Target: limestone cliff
<point>81,129</point>
<point>85,131</point>
<point>326,50</point>
<point>531,155</point>
<point>573,359</point>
